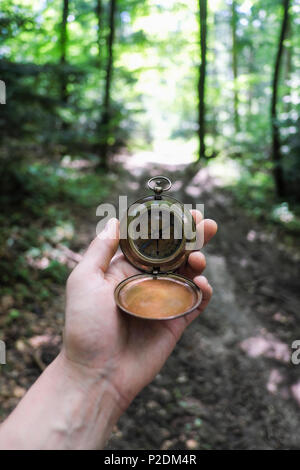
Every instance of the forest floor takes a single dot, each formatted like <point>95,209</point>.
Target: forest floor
<point>230,383</point>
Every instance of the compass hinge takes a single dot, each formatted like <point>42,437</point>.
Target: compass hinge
<point>155,271</point>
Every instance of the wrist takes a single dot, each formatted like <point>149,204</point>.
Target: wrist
<point>93,377</point>
<point>91,405</point>
<point>68,407</point>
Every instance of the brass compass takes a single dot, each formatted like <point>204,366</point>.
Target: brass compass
<point>154,236</point>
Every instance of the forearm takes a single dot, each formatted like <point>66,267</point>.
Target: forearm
<point>66,408</point>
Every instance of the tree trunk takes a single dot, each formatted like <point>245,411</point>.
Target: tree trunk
<point>201,82</point>
<point>106,113</point>
<point>288,65</point>
<point>234,66</point>
<point>251,70</point>
<point>63,50</point>
<point>276,150</point>
<point>99,13</point>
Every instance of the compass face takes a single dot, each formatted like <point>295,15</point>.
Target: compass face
<point>160,234</point>
<point>155,234</point>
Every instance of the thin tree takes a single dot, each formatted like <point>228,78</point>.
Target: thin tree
<point>251,71</point>
<point>99,13</point>
<point>202,74</point>
<point>63,50</point>
<point>276,146</point>
<point>235,65</point>
<point>288,63</point>
<point>106,113</point>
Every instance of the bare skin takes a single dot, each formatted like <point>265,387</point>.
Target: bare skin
<point>107,357</point>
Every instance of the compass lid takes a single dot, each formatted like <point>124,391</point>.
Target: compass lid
<point>158,297</point>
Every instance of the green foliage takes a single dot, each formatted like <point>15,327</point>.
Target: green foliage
<point>56,272</point>
<point>14,313</point>
<point>291,161</point>
<point>38,222</point>
<point>155,74</point>
<point>58,112</point>
<point>254,191</point>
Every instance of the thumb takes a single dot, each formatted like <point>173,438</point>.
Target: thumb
<point>103,247</point>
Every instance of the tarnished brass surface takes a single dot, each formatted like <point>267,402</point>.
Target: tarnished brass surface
<point>161,297</point>
<point>160,294</point>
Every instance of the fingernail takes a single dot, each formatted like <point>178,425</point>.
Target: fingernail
<point>110,229</point>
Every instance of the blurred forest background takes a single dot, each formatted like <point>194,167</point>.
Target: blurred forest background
<point>210,86</point>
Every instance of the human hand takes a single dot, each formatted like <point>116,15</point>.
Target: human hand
<point>107,357</point>
<point>100,339</point>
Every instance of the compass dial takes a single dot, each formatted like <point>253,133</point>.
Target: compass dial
<point>159,237</point>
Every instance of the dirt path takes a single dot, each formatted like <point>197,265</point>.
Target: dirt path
<point>229,383</point>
